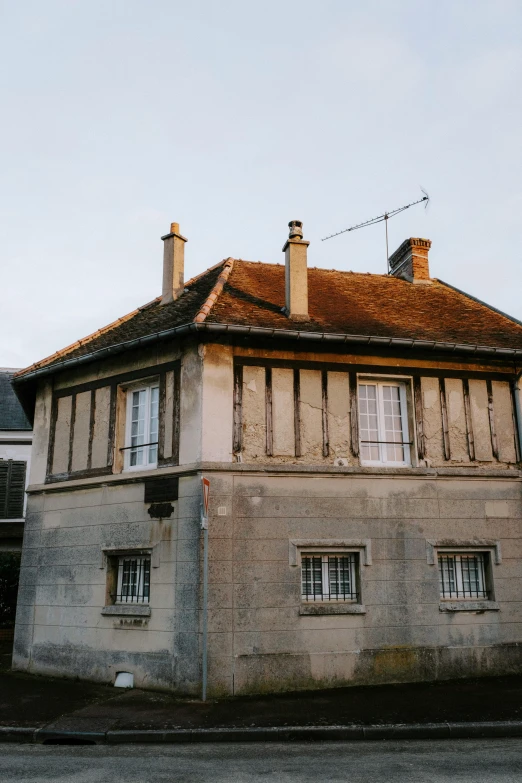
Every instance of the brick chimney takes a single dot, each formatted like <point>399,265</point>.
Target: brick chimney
<point>173,264</point>
<point>410,261</point>
<point>296,273</point>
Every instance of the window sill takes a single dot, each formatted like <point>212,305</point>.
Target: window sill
<point>331,608</point>
<point>126,610</point>
<point>139,468</point>
<point>469,606</point>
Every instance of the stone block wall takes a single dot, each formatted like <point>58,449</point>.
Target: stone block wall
<point>60,627</point>
<point>260,641</point>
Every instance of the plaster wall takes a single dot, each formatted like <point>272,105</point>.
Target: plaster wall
<point>478,395</point>
<point>217,409</point>
<point>62,433</point>
<point>310,413</point>
<point>283,412</point>
<point>100,438</point>
<point>82,418</point>
<point>457,420</point>
<point>191,405</point>
<point>254,414</point>
<point>42,426</point>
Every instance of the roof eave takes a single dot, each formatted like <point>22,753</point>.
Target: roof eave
<point>263,332</point>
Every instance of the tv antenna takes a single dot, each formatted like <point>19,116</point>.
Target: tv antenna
<point>383,219</point>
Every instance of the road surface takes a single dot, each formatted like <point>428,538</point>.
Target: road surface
<point>476,761</point>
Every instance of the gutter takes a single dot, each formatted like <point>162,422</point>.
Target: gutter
<point>283,334</point>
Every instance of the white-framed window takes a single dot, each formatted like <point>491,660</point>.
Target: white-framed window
<point>463,575</point>
<point>133,579</point>
<point>141,430</point>
<point>383,423</point>
<point>330,577</point>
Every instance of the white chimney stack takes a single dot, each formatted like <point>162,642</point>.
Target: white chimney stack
<point>173,264</point>
<point>296,273</point>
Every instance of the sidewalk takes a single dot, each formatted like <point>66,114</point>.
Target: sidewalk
<point>43,709</point>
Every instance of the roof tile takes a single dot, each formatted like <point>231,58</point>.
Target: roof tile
<point>253,293</point>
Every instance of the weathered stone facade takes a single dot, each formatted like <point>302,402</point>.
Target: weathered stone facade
<point>260,637</point>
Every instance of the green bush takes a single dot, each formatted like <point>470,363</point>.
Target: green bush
<point>9,575</point>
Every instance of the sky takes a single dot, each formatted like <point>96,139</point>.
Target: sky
<point>232,118</point>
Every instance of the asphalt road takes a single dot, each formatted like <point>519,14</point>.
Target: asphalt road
<point>479,761</point>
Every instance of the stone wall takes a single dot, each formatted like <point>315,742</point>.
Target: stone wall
<point>260,640</point>
<point>60,628</point>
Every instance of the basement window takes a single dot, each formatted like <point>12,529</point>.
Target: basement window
<point>332,577</point>
<point>464,576</point>
<point>132,579</point>
<point>142,426</point>
<point>383,424</point>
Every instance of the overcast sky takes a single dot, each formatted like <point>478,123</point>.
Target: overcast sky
<point>233,117</point>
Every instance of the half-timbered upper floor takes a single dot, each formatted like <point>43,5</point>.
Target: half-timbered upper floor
<point>265,363</point>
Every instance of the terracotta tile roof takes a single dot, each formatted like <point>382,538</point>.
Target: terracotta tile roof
<point>364,304</point>
<point>253,293</point>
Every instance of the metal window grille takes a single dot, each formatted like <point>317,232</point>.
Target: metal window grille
<point>329,577</point>
<point>133,585</point>
<point>463,576</point>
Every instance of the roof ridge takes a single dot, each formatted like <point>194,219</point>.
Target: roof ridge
<point>228,265</point>
<point>205,272</point>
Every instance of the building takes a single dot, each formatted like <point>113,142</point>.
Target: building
<point>15,458</point>
<point>361,435</point>
<point>15,454</point>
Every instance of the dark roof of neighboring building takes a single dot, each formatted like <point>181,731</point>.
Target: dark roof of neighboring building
<point>12,416</point>
<point>238,292</point>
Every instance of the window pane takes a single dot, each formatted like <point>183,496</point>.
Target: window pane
<point>154,414</point>
<point>341,577</point>
<point>137,426</point>
<point>311,577</point>
<point>447,580</point>
<point>392,423</point>
<point>368,421</point>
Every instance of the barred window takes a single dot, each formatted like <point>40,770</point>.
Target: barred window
<point>330,577</point>
<point>463,575</point>
<point>133,583</point>
<point>12,489</point>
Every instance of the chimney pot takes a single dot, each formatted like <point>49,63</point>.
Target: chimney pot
<point>173,264</point>
<point>296,229</point>
<point>410,261</point>
<point>296,273</point>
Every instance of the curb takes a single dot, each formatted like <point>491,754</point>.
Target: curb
<point>424,731</point>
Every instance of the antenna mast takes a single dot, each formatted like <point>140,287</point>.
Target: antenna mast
<point>380,219</point>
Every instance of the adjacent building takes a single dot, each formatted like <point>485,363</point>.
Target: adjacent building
<point>15,455</point>
<point>15,459</point>
<point>361,434</point>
